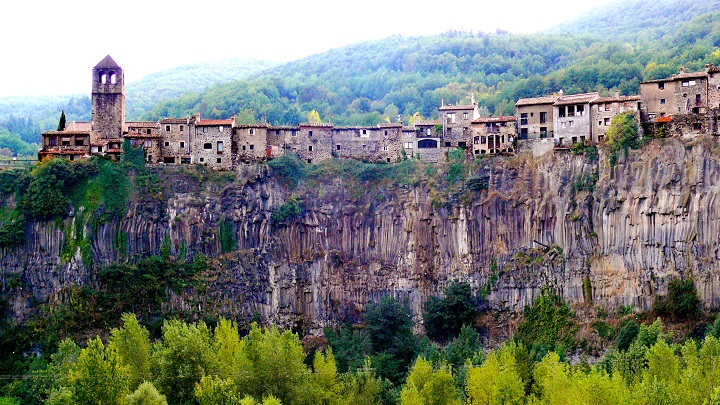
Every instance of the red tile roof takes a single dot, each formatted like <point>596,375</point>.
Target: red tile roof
<point>536,100</point>
<point>78,126</point>
<point>213,123</point>
<point>66,133</point>
<point>664,119</point>
<point>581,98</point>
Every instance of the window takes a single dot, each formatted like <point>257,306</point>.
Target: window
<point>561,112</point>
<point>207,146</point>
<point>447,144</point>
<point>252,131</point>
<point>581,110</point>
<point>543,117</point>
<point>662,101</point>
<point>309,133</point>
<point>476,140</point>
<point>79,141</point>
<point>147,143</point>
<point>167,128</point>
<point>571,124</point>
<point>600,107</point>
<point>543,132</point>
<point>563,124</point>
<point>219,147</point>
<point>52,141</point>
<point>220,128</point>
<point>182,145</point>
<point>451,118</point>
<point>607,121</point>
<point>428,131</point>
<point>252,147</point>
<point>182,127</point>
<point>465,115</point>
<point>523,119</point>
<point>293,132</point>
<point>65,141</point>
<point>167,143</point>
<point>571,111</point>
<point>386,132</point>
<point>661,86</point>
<point>364,131</point>
<point>607,106</point>
<point>148,131</point>
<point>202,160</point>
<point>523,133</point>
<point>408,145</point>
<point>387,160</point>
<point>219,160</point>
<point>691,82</point>
<point>243,147</point>
<point>310,148</point>
<point>337,147</point>
<point>685,83</point>
<point>426,143</point>
<point>385,148</point>
<point>204,129</point>
<point>483,140</point>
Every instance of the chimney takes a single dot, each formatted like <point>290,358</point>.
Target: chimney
<point>617,93</point>
<point>682,69</point>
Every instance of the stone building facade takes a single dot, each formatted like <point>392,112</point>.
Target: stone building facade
<point>603,110</point>
<point>456,121</point>
<point>535,117</point>
<point>381,143</point>
<point>494,135</point>
<point>211,143</point>
<point>571,118</point>
<point>250,143</point>
<point>176,140</point>
<point>147,136</point>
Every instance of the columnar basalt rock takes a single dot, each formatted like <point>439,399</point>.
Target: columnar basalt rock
<point>551,222</point>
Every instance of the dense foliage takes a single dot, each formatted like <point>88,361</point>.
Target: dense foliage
<point>444,317</point>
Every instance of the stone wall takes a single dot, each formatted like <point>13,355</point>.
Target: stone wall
<point>212,146</point>
<point>176,140</point>
<point>250,143</point>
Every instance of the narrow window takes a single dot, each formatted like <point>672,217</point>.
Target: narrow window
<point>182,127</point>
<point>167,128</point>
<point>182,145</point>
<point>543,117</point>
<point>219,147</point>
<point>252,147</point>
<point>309,133</point>
<point>252,131</point>
<point>523,119</point>
<point>309,148</point>
<point>338,147</point>
<point>661,86</point>
<point>561,112</point>
<point>167,143</point>
<point>662,101</point>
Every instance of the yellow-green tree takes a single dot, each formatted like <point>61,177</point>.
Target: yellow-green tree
<point>98,376</point>
<point>145,394</point>
<point>313,117</point>
<point>132,343</point>
<point>496,381</point>
<point>425,386</point>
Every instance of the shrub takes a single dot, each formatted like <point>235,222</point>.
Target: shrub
<point>289,210</point>
<point>681,301</point>
<point>289,168</point>
<point>12,231</point>
<point>623,132</point>
<point>627,334</point>
<point>548,322</point>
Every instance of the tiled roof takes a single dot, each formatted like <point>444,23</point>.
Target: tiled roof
<point>427,123</point>
<point>577,98</point>
<point>210,123</point>
<point>258,125</point>
<point>682,75</point>
<point>666,118</point>
<point>615,99</point>
<point>282,127</point>
<point>143,124</point>
<point>174,121</point>
<point>389,125</point>
<point>107,63</point>
<point>501,118</point>
<point>66,133</point>
<point>315,125</point>
<point>458,107</point>
<point>78,126</point>
<point>537,100</point>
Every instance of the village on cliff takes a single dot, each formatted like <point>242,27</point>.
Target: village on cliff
<point>685,104</point>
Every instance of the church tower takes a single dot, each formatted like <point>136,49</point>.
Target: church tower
<point>108,99</point>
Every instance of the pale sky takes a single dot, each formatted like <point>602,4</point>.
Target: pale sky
<point>49,47</point>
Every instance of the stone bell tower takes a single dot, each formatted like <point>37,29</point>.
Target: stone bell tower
<point>108,99</point>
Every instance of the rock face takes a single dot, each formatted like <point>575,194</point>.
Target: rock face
<point>610,234</point>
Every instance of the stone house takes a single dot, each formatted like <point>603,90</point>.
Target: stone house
<point>250,143</point>
<point>493,135</point>
<point>211,143</point>
<point>456,121</point>
<point>146,135</point>
<point>535,117</point>
<point>66,144</point>
<point>175,143</point>
<point>380,143</point>
<point>277,136</point>
<point>603,110</point>
<point>571,118</point>
<point>428,143</point>
<point>312,142</point>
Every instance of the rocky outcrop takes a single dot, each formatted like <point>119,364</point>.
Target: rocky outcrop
<point>612,235</point>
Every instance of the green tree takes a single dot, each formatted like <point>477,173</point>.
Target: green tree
<point>425,386</point>
<point>389,328</point>
<point>496,381</point>
<point>444,317</point>
<point>623,132</point>
<point>213,390</point>
<point>61,124</point>
<point>145,394</point>
<point>181,359</point>
<point>548,322</point>
<point>132,343</point>
<point>681,301</point>
<point>98,376</point>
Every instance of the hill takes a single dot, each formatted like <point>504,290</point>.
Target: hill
<point>374,81</point>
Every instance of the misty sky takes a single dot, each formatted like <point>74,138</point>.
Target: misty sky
<point>50,47</point>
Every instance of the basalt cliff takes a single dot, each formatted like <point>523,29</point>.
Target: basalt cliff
<point>592,231</point>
